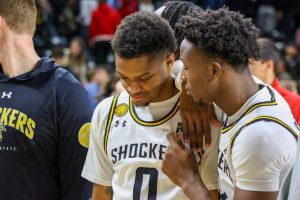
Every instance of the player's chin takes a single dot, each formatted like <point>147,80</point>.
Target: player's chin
<point>140,103</point>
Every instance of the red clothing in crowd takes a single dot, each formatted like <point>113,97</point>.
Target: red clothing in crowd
<point>104,22</point>
<point>292,99</point>
<point>128,7</point>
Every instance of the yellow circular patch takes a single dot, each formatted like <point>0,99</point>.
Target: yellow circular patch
<point>84,135</point>
<point>121,110</point>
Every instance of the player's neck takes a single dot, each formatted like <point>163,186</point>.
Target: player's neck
<point>168,89</point>
<point>17,55</point>
<point>270,78</point>
<point>235,93</point>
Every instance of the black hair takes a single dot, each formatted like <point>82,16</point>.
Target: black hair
<point>269,51</point>
<point>223,34</point>
<point>143,33</point>
<point>173,12</point>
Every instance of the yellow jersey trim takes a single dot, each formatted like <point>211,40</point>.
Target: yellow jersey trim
<point>272,102</point>
<point>262,118</point>
<point>152,123</point>
<point>109,120</point>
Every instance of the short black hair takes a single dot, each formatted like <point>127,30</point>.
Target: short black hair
<point>173,12</point>
<point>224,34</point>
<point>143,33</point>
<point>269,51</point>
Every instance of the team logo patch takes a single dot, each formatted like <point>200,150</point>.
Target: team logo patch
<point>84,135</point>
<point>121,110</point>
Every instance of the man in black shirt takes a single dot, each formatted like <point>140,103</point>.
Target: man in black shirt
<point>44,116</point>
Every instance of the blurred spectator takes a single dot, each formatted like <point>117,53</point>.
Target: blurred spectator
<point>97,83</point>
<point>297,41</point>
<point>128,7</point>
<point>67,24</point>
<point>266,70</point>
<point>266,20</point>
<point>146,5</point>
<point>102,28</point>
<point>86,7</point>
<point>113,87</point>
<point>77,58</point>
<point>59,56</point>
<point>57,8</point>
<point>291,62</point>
<point>45,27</point>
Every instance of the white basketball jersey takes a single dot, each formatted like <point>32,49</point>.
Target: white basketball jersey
<point>126,152</point>
<point>264,119</point>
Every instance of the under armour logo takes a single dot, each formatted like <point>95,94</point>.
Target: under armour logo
<point>118,123</point>
<point>6,95</point>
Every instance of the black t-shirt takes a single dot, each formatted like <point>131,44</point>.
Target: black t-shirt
<point>44,127</point>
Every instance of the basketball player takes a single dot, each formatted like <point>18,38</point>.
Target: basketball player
<point>259,136</point>
<point>128,133</point>
<point>44,116</point>
<point>195,118</point>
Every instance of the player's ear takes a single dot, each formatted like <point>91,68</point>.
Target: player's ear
<point>170,59</point>
<point>270,65</point>
<point>215,70</point>
<point>2,23</point>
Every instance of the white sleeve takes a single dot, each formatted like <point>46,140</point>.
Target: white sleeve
<point>98,168</point>
<point>209,161</point>
<point>262,156</point>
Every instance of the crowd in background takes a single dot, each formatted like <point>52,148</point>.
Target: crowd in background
<point>77,33</point>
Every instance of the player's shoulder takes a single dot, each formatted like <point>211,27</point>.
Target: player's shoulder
<point>270,135</point>
<point>63,76</point>
<point>274,93</point>
<point>267,142</point>
<point>55,78</point>
<point>270,127</point>
<point>106,105</point>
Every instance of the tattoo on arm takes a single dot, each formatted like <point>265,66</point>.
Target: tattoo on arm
<point>109,192</point>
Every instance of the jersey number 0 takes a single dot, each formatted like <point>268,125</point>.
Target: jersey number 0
<point>153,177</point>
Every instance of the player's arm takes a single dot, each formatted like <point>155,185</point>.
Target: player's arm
<point>74,116</point>
<point>240,194</point>
<point>101,192</point>
<point>98,168</point>
<point>181,167</point>
<point>214,194</point>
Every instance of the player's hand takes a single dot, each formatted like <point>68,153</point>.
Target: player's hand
<point>179,163</point>
<point>195,121</point>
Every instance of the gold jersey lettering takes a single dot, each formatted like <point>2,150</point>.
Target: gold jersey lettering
<point>12,118</point>
<point>18,120</point>
<point>21,122</point>
<point>4,116</point>
<point>29,130</point>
